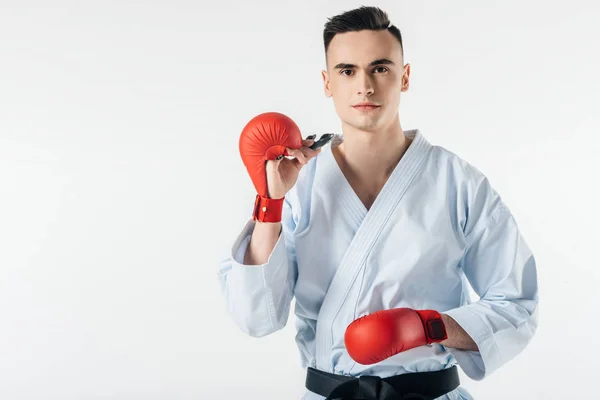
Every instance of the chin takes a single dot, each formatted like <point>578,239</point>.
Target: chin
<point>367,126</point>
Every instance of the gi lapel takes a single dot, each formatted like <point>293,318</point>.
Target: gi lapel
<point>366,235</point>
<point>335,183</point>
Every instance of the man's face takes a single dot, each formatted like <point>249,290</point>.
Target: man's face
<point>366,66</point>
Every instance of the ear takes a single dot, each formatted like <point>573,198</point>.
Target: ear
<point>405,78</point>
<point>326,87</point>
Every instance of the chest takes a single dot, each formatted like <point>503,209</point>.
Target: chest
<point>366,194</point>
<point>366,190</point>
<point>414,257</point>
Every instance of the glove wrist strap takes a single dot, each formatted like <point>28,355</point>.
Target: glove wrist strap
<point>267,210</point>
<point>435,329</point>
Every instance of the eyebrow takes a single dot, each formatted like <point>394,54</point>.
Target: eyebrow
<point>373,63</point>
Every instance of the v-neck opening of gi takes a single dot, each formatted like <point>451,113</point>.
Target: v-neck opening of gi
<point>352,201</point>
<point>349,201</point>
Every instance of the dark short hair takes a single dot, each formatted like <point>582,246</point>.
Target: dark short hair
<point>371,18</point>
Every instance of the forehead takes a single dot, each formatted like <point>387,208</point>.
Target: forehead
<point>363,47</point>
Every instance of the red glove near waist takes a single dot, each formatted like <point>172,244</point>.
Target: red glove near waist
<point>264,138</point>
<point>375,337</point>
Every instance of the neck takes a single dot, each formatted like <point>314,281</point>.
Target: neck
<point>372,156</point>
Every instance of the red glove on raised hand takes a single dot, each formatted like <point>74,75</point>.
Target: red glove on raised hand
<point>375,337</point>
<point>264,138</point>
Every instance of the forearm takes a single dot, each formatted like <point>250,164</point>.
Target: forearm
<point>262,242</point>
<point>457,337</point>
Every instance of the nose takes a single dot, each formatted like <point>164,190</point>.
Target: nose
<point>365,85</point>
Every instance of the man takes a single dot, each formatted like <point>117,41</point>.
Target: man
<point>378,236</point>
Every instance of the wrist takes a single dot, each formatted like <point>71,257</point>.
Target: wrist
<point>267,209</point>
<point>434,326</point>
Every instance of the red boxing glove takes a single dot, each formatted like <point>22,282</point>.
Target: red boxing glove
<point>264,138</point>
<point>375,337</point>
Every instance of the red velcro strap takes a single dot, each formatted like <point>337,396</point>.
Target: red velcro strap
<point>435,330</point>
<point>267,210</point>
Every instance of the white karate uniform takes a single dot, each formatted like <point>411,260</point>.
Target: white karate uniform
<point>436,226</point>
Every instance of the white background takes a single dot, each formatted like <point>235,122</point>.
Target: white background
<point>121,185</point>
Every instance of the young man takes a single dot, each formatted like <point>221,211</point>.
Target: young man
<point>376,238</point>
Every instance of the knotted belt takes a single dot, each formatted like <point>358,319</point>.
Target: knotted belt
<point>413,386</point>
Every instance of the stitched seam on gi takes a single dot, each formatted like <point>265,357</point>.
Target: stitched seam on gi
<point>269,299</point>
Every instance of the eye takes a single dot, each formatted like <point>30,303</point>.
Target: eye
<point>382,69</point>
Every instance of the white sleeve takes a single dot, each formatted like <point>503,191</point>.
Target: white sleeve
<point>258,297</point>
<point>502,271</point>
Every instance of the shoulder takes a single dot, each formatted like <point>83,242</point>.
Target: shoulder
<point>456,167</point>
<point>477,199</point>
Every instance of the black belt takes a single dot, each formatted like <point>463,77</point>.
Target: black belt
<point>418,385</point>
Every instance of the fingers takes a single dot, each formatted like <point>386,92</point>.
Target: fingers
<point>308,152</point>
<point>304,154</point>
<point>309,140</point>
<point>298,154</point>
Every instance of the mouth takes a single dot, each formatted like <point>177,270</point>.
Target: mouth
<point>366,107</point>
